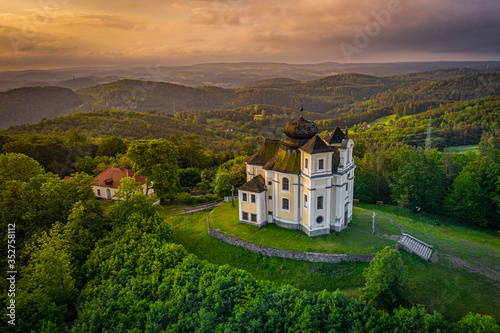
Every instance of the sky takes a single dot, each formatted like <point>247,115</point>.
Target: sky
<point>42,34</point>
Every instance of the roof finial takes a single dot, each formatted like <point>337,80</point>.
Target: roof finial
<point>301,109</point>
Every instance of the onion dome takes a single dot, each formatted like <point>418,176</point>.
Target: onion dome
<point>301,128</point>
<point>299,132</point>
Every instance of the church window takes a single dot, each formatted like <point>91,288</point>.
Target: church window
<point>319,219</point>
<point>286,184</point>
<point>285,204</point>
<point>269,183</point>
<point>253,217</point>
<point>305,200</point>
<point>319,202</point>
<point>252,198</point>
<point>244,197</point>
<point>306,163</point>
<point>245,215</point>
<point>321,164</point>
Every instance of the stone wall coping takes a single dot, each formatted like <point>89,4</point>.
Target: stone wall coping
<point>287,254</point>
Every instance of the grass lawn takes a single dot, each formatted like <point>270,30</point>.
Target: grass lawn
<point>357,239</point>
<point>442,286</point>
<point>191,231</point>
<point>462,149</point>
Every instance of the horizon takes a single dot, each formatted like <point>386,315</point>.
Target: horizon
<point>81,34</point>
<point>251,62</point>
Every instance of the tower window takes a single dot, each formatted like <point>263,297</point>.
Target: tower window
<point>321,164</point>
<point>306,163</point>
<point>305,200</point>
<point>252,198</point>
<point>244,197</point>
<point>285,186</point>
<point>245,215</point>
<point>253,217</point>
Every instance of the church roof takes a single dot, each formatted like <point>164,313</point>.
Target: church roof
<point>298,132</point>
<point>256,184</point>
<point>284,161</point>
<point>301,128</point>
<point>316,145</point>
<point>335,136</point>
<point>265,153</point>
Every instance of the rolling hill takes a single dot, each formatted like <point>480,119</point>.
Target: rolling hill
<point>358,97</point>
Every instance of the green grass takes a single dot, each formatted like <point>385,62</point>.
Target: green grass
<point>191,231</point>
<point>462,149</point>
<point>466,275</point>
<point>450,290</point>
<point>383,120</point>
<point>357,239</point>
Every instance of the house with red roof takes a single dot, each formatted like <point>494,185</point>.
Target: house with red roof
<point>107,182</point>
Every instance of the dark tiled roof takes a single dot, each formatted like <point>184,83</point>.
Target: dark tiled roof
<point>112,177</point>
<point>265,153</point>
<point>284,162</point>
<point>335,136</point>
<point>316,145</point>
<point>256,184</point>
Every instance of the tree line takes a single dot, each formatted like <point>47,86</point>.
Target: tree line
<point>87,271</point>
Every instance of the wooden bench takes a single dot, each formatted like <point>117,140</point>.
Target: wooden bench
<point>380,203</point>
<point>357,201</point>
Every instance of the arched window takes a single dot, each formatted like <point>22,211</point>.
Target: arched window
<point>285,186</point>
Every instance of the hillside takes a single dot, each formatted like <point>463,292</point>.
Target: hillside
<point>127,125</point>
<point>226,75</point>
<point>353,97</point>
<point>32,104</point>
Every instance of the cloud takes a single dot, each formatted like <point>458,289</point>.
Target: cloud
<point>174,31</point>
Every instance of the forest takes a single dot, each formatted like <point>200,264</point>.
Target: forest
<point>87,266</point>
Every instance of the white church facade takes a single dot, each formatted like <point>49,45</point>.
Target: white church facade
<point>302,182</point>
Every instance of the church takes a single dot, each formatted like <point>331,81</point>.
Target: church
<point>302,182</point>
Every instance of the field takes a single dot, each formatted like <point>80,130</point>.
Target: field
<point>463,149</point>
<point>460,279</point>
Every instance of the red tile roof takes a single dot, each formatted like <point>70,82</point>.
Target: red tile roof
<point>112,177</point>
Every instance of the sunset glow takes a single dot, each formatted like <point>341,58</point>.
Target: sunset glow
<point>75,33</point>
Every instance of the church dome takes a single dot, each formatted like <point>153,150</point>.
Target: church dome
<point>301,128</point>
<point>299,132</point>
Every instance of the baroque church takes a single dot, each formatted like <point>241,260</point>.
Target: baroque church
<point>302,182</point>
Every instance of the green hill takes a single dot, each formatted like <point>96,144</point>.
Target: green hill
<point>32,104</point>
<point>353,97</point>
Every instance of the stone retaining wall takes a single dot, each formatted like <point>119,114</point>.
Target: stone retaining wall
<point>287,254</point>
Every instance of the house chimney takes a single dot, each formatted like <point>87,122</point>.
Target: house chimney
<point>122,168</point>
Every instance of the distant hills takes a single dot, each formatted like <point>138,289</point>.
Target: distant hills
<point>32,104</point>
<point>334,96</point>
<point>225,75</point>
